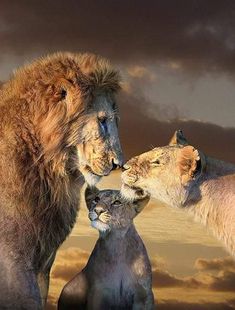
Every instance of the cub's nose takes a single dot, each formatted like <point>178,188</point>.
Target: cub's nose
<point>98,210</point>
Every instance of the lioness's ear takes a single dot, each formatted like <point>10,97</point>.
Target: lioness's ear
<point>189,163</point>
<point>178,138</point>
<point>140,204</point>
<point>90,194</point>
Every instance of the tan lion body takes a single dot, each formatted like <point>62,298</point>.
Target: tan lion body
<point>183,177</point>
<point>50,131</point>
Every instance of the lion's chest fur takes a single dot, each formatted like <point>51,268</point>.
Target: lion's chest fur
<point>55,220</point>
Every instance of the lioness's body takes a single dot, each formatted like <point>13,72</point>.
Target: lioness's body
<point>49,131</point>
<point>118,272</point>
<point>212,201</point>
<point>183,177</point>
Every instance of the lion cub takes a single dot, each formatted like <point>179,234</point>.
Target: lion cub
<point>118,273</point>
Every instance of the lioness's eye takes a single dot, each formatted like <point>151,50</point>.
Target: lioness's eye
<point>156,162</point>
<point>63,94</point>
<point>103,124</point>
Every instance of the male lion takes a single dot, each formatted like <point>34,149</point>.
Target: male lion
<point>58,118</point>
<point>184,177</point>
<point>118,273</point>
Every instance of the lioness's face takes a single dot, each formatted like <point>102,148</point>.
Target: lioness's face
<point>108,210</point>
<point>99,151</point>
<point>165,173</point>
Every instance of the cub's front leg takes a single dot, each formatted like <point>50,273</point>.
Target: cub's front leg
<point>143,299</point>
<point>74,294</point>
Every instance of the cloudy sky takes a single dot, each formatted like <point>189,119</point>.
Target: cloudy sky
<point>177,59</point>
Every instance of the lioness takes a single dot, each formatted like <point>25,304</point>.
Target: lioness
<point>184,177</point>
<point>118,273</point>
<point>58,120</point>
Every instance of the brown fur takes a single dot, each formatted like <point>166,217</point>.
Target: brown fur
<point>40,180</point>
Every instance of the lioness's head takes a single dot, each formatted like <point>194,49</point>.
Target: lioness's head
<point>108,210</point>
<point>69,103</point>
<point>167,173</point>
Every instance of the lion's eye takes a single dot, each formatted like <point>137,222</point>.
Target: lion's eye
<point>116,203</point>
<point>103,124</point>
<point>63,94</point>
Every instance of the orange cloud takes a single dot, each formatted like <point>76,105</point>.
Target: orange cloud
<point>68,263</point>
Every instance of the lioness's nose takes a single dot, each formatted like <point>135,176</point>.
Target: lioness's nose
<point>125,167</point>
<point>98,210</point>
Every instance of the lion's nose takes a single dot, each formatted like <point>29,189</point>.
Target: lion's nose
<point>116,164</point>
<point>98,210</point>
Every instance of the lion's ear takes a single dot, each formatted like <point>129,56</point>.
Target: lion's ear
<point>189,163</point>
<point>178,138</point>
<point>91,194</point>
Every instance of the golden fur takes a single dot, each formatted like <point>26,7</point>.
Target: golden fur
<point>49,117</point>
<point>184,177</point>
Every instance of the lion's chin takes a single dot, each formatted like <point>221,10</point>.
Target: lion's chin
<point>91,178</point>
<point>132,193</point>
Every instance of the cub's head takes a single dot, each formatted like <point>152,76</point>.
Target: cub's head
<point>167,173</point>
<point>108,210</point>
<point>70,102</point>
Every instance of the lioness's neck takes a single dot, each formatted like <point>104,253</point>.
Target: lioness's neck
<point>213,200</point>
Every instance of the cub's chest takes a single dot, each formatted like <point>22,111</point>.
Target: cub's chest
<point>117,286</point>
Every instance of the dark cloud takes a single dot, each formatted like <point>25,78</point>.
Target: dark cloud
<point>215,264</point>
<point>223,281</point>
<point>139,132</point>
<point>162,278</point>
<point>179,305</point>
<point>197,35</point>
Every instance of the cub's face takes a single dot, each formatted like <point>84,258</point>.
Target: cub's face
<point>166,173</point>
<point>108,210</point>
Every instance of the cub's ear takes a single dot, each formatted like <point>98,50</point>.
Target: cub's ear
<point>190,163</point>
<point>139,204</point>
<point>178,138</point>
<point>91,194</point>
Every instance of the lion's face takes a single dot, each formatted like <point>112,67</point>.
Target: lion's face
<point>71,101</point>
<point>100,151</point>
<point>166,173</point>
<point>108,210</point>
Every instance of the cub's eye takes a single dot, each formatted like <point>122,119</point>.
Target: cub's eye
<point>63,94</point>
<point>155,162</point>
<point>103,124</point>
<point>116,203</point>
<point>97,199</point>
